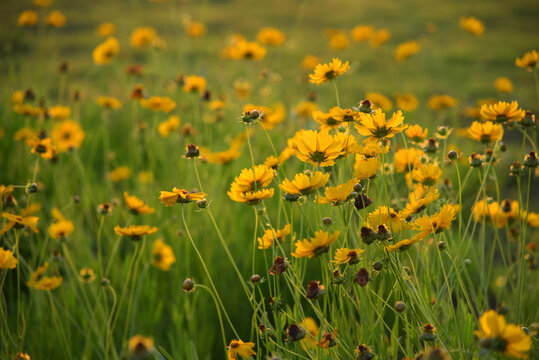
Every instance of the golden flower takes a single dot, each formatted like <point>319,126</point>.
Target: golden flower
<point>305,109</point>
<point>251,179</point>
<point>311,340</point>
<point>345,255</point>
<point>329,71</point>
<point>43,148</point>
<point>437,222</point>
<point>337,195</point>
<point>249,197</point>
<point>439,102</point>
<point>502,112</point>
<point>406,49</point>
<point>419,199</point>
<point>319,147</point>
<point>27,18</point>
<point>272,237</point>
<point>338,40</point>
<point>503,84</point>
<point>22,356</point>
<point>162,255</point>
<point>238,347</point>
<point>489,210</point>
<point>158,103</point>
<point>486,132</point>
<point>105,29</point>
<point>56,19</point>
<point>366,167</point>
<point>194,83</point>
<point>497,335</point>
<point>304,184</point>
<point>135,232</point>
<point>472,25</point>
<point>165,128</point>
<point>361,33</point>
<point>407,159</point>
<point>416,133</point>
<point>40,282</point>
<point>376,127</point>
<point>379,37</point>
<point>61,228</point>
<point>19,221</point>
<point>388,217</point>
<point>371,149</point>
<point>67,135</point>
<point>28,135</point>
<point>137,206</point>
<point>17,97</point>
<point>427,174</point>
<point>109,102</point>
<point>326,121</point>
<point>28,110</point>
<point>105,52</point>
<point>120,173</point>
<point>316,245</point>
<point>528,61</point>
<point>59,112</point>
<point>402,245</point>
<point>310,61</point>
<point>379,101</point>
<point>344,115</point>
<point>142,37</point>
<point>247,50</point>
<point>406,102</point>
<point>270,36</point>
<point>86,275</point>
<point>140,347</point>
<point>7,259</point>
<point>180,196</point>
<point>195,29</point>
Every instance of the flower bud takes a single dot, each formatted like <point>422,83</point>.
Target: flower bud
<point>255,278</point>
<point>368,235</point>
<point>530,160</point>
<point>192,151</point>
<point>327,221</point>
<point>362,277</point>
<point>188,285</point>
<point>377,266</point>
<point>400,306</point>
<point>202,204</point>
<point>294,332</point>
<point>452,155</point>
<point>441,245</point>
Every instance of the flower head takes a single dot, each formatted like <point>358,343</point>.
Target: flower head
<point>316,245</point>
<point>105,52</point>
<point>137,206</point>
<point>327,72</point>
<point>180,196</point>
<point>272,237</point>
<point>304,184</point>
<point>318,147</point>
<point>62,227</point>
<point>528,61</point>
<point>7,259</point>
<point>472,25</point>
<point>376,127</point>
<point>502,112</point>
<point>158,103</point>
<point>271,36</point>
<point>162,255</point>
<point>40,282</point>
<point>142,36</point>
<point>347,256</point>
<point>338,195</point>
<point>486,132</point>
<point>135,232</point>
<point>67,135</point>
<point>406,49</point>
<point>238,347</point>
<point>86,275</point>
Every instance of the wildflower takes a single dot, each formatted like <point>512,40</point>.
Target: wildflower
<point>328,340</point>
<point>384,215</point>
<point>140,347</point>
<point>249,197</point>
<point>271,36</point>
<point>7,259</point>
<point>195,29</point>
<point>273,237</point>
<point>56,19</point>
<point>67,135</point>
<point>428,332</point>
<point>294,332</point>
<point>27,18</point>
<point>503,84</point>
<point>344,115</point>
<point>40,282</point>
<point>137,206</point>
<point>337,195</point>
<point>371,150</point>
<point>188,285</point>
<point>327,72</point>
<point>361,33</point>
<point>528,120</point>
<point>472,25</point>
<point>486,132</point>
<point>502,112</point>
<point>158,103</point>
<point>192,151</point>
<point>165,128</point>
<point>364,352</point>
<point>406,102</point>
<point>258,177</point>
<point>135,232</point>
<point>86,275</point>
<point>366,168</point>
<point>304,184</point>
<point>314,289</point>
<point>362,277</point>
<point>223,157</point>
<point>22,356</point>
<point>427,174</point>
<point>162,255</point>
<point>528,61</point>
<point>376,127</point>
<point>379,38</point>
<point>238,347</point>
<point>105,29</point>
<point>59,112</point>
<point>498,336</point>
<point>338,40</point>
<point>402,245</point>
<point>180,196</point>
<point>43,148</point>
<point>440,102</point>
<point>476,160</point>
<point>419,199</point>
<point>194,83</point>
<point>347,256</point>
<point>309,62</point>
<point>378,101</point>
<point>61,228</point>
<point>406,49</point>
<point>279,266</point>
<point>362,201</point>
<point>105,52</point>
<point>437,222</point>
<point>247,50</point>
<point>18,222</point>
<point>269,117</point>
<point>109,102</point>
<point>416,133</point>
<point>516,169</point>
<point>530,160</point>
<point>311,326</point>
<point>142,37</point>
<point>316,245</point>
<point>326,120</point>
<point>120,173</point>
<point>407,159</point>
<point>318,148</point>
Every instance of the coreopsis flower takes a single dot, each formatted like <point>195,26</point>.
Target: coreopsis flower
<point>472,25</point>
<point>28,135</point>
<point>135,232</point>
<point>17,97</point>
<point>528,61</point>
<point>498,336</point>
<point>440,102</point>
<point>258,177</point>
<point>419,199</point>
<point>427,174</point>
<point>344,115</point>
<point>162,255</point>
<point>159,103</point>
<point>366,167</point>
<point>43,148</point>
<point>142,36</point>
<point>376,127</point>
<point>407,159</point>
<point>270,36</point>
<point>105,52</point>
<point>109,102</point>
<point>314,289</point>
<point>249,197</point>
<point>361,33</point>
<point>311,338</point>
<point>326,120</point>
<point>27,18</point>
<point>62,227</point>
<point>402,245</point>
<point>328,340</point>
<point>8,260</point>
<point>195,29</point>
<point>363,352</point>
<point>388,217</point>
<point>304,184</point>
<point>379,38</point>
<point>503,85</point>
<point>120,173</point>
<point>502,112</point>
<point>140,347</point>
<point>180,196</point>
<point>273,237</point>
<point>22,356</point>
<point>105,29</point>
<point>438,222</point>
<point>318,147</point>
<point>416,133</point>
<point>28,110</point>
<point>137,206</point>
<point>337,195</point>
<point>247,50</point>
<point>40,282</point>
<point>56,18</point>
<point>167,127</point>
<point>194,83</point>
<point>347,256</point>
<point>329,71</point>
<point>406,102</point>
<point>406,49</point>
<point>239,348</point>
<point>59,112</point>
<point>316,245</point>
<point>272,162</point>
<point>490,210</point>
<point>67,135</point>
<point>371,149</point>
<point>485,132</point>
<point>379,101</point>
<point>86,275</point>
<point>338,40</point>
<point>310,61</point>
<point>18,221</point>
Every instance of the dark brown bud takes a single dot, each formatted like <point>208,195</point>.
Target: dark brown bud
<point>362,277</point>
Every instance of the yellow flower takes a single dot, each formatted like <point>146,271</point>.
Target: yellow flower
<point>491,210</point>
<point>366,167</point>
<point>247,50</point>
<point>105,52</point>
<point>62,227</point>
<point>386,216</point>
<point>472,25</point>
<point>406,102</point>
<point>142,36</point>
<point>272,237</point>
<point>486,132</point>
<point>427,174</point>
<point>502,112</point>
<point>165,128</point>
<point>407,159</point>
<point>135,232</point>
<point>437,222</point>
<point>195,29</point>
<point>180,196</point>
<point>379,38</point>
<point>120,173</point>
<point>416,133</point>
<point>251,179</point>
<point>86,275</point>
<point>105,29</point>
<point>419,199</point>
<point>140,347</point>
<point>338,40</point>
<point>337,195</point>
<point>406,49</point>
<point>326,120</point>
<point>371,149</point>
<point>43,148</point>
<point>59,112</point>
<point>497,335</point>
<point>162,255</point>
<point>344,115</point>
<point>439,102</point>
<point>238,347</point>
<point>7,259</point>
<point>137,206</point>
<point>361,33</point>
<point>379,101</point>
<point>67,135</point>
<point>270,36</point>
<point>17,97</point>
<point>27,18</point>
<point>311,339</point>
<point>310,61</point>
<point>194,83</point>
<point>22,356</point>
<point>304,184</point>
<point>402,245</point>
<point>28,110</point>
<point>503,84</point>
<point>158,103</point>
<point>223,157</point>
<point>345,255</point>
<point>318,148</point>
<point>18,221</point>
<point>528,61</point>
<point>251,197</point>
<point>316,245</point>
<point>109,102</point>
<point>40,282</point>
<point>376,127</point>
<point>56,19</point>
<point>327,72</point>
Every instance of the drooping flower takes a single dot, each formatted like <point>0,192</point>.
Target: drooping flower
<point>8,260</point>
<point>316,245</point>
<point>137,206</point>
<point>40,282</point>
<point>528,61</point>
<point>273,236</point>
<point>238,347</point>
<point>327,72</point>
<point>347,256</point>
<point>180,196</point>
<point>162,255</point>
<point>135,232</point>
<point>19,221</point>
